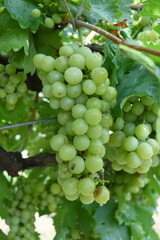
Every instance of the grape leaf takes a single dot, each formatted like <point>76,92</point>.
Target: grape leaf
<point>4,189</point>
<point>45,111</point>
<point>21,10</point>
<point>151,8</point>
<point>124,10</point>
<point>12,36</point>
<point>154,179</point>
<point>3,236</point>
<point>107,226</point>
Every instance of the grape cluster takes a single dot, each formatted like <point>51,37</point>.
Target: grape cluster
<point>76,84</point>
<point>27,201</point>
<point>133,141</point>
<point>12,85</point>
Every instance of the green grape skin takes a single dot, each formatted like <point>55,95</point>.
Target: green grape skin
<point>155,161</point>
<point>142,131</point>
<point>58,89</point>
<point>146,101</point>
<point>86,186</point>
<point>77,60</point>
<point>93,116</point>
<point>49,23</point>
<point>119,124</point>
<point>86,199</point>
<point>22,87</point>
<point>101,195</point>
<point>67,152</point>
<point>127,107</point>
<point>22,76</point>
<point>37,59</point>
<point>93,163</point>
<point>129,117</point>
<point>14,79</point>
<point>107,120</point>
<point>77,165</point>
<point>94,132</point>
<point>66,103</point>
<point>2,68</point>
<point>11,99</point>
<point>84,51</point>
<point>56,18</point>
<point>69,130</point>
<point>154,144</point>
<point>52,207</point>
<point>63,172</point>
<point>110,94</point>
<point>36,13</point>
<point>2,93</point>
<point>100,90</point>
<point>54,103</point>
<point>63,117</point>
<point>99,75</point>
<point>57,141</point>
<point>120,156</point>
<point>54,76</point>
<point>150,116</point>
<point>129,129</point>
<point>69,186</point>
<point>10,69</point>
<point>105,107</point>
<point>137,108</point>
<point>105,136</point>
<point>89,87</point>
<point>94,102</point>
<point>81,99</point>
<point>75,46</point>
<point>9,87</point>
<point>145,150</point>
<point>78,111</point>
<point>66,51</point>
<point>46,90</point>
<point>79,127</point>
<point>47,64</point>
<point>73,75</point>
<point>74,91</point>
<point>116,166</point>
<point>72,197</point>
<point>130,143</point>
<point>61,64</point>
<point>133,160</point>
<point>93,60</point>
<point>81,143</point>
<point>95,146</point>
<point>117,138</point>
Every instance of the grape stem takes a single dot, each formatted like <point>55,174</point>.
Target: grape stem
<point>70,15</point>
<point>81,9</point>
<point>115,39</point>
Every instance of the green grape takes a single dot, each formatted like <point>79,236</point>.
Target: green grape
<point>117,138</point>
<point>58,159</point>
<point>67,152</point>
<point>120,156</point>
<point>11,99</point>
<point>89,87</point>
<point>2,93</point>
<point>133,160</point>
<point>72,197</point>
<point>9,87</point>
<point>10,69</point>
<point>119,124</point>
<point>69,186</point>
<point>107,120</point>
<point>116,166</point>
<point>86,186</point>
<point>100,90</point>
<point>99,75</point>
<point>73,75</point>
<point>130,144</point>
<point>84,51</point>
<point>142,131</point>
<point>73,91</point>
<point>58,89</point>
<point>47,64</point>
<point>95,146</point>
<point>69,130</point>
<point>77,60</point>
<point>81,143</point>
<point>2,68</point>
<point>145,150</point>
<point>66,103</point>
<point>22,87</point>
<point>62,130</point>
<point>52,207</point>
<point>93,60</point>
<point>105,107</point>
<point>77,165</point>
<point>129,117</point>
<point>46,90</point>
<point>61,64</point>
<point>101,195</point>
<point>154,144</point>
<point>105,136</point>
<point>110,94</point>
<point>155,161</point>
<point>81,99</point>
<point>86,199</point>
<point>150,116</point>
<point>78,111</point>
<point>54,103</point>
<point>14,79</point>
<point>49,23</point>
<point>56,18</point>
<point>94,132</point>
<point>137,108</point>
<point>75,46</point>
<point>129,129</point>
<point>79,127</point>
<point>37,59</point>
<point>93,116</point>
<point>127,107</point>
<point>66,51</point>
<point>146,101</point>
<point>36,13</point>
<point>93,163</point>
<point>22,76</point>
<point>94,102</point>
<point>55,76</point>
<point>63,117</point>
<point>57,141</point>
<point>63,172</point>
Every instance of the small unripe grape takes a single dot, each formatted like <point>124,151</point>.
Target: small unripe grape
<point>55,188</point>
<point>73,75</point>
<point>56,18</point>
<point>77,60</point>
<point>99,75</point>
<point>11,99</point>
<point>49,23</point>
<point>36,13</point>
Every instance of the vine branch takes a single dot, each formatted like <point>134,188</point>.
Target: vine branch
<point>115,39</point>
<point>70,14</point>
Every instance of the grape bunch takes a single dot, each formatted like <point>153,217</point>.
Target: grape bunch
<point>12,85</point>
<point>133,141</point>
<point>76,84</point>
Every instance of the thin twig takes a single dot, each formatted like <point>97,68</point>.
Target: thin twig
<point>27,123</point>
<point>70,14</point>
<point>115,39</point>
<point>81,9</point>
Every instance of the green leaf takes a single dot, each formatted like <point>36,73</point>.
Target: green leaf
<point>107,226</point>
<point>12,36</point>
<point>151,8</point>
<point>137,231</point>
<point>154,179</point>
<point>4,189</point>
<point>124,10</point>
<point>21,10</point>
<point>45,111</point>
<point>3,236</point>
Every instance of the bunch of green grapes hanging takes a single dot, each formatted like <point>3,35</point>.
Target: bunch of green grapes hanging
<point>134,141</point>
<point>12,85</point>
<point>77,84</point>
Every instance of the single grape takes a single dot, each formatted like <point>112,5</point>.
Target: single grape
<point>133,160</point>
<point>79,127</point>
<point>66,103</point>
<point>78,111</point>
<point>95,146</point>
<point>77,60</point>
<point>54,76</point>
<point>57,141</point>
<point>117,138</point>
<point>94,102</point>
<point>58,89</point>
<point>86,186</point>
<point>77,165</point>
<point>129,129</point>
<point>86,199</point>
<point>73,75</point>
<point>81,99</point>
<point>105,136</point>
<point>54,103</point>
<point>36,13</point>
<point>63,117</point>
<point>93,163</point>
<point>22,87</point>
<point>130,144</point>
<point>74,91</point>
<point>37,59</point>
<point>110,94</point>
<point>93,60</point>
<point>99,75</point>
<point>63,172</point>
<point>89,87</point>
<point>66,51</point>
<point>107,120</point>
<point>11,99</point>
<point>10,69</point>
<point>67,152</point>
<point>142,131</point>
<point>154,144</point>
<point>47,63</point>
<point>93,116</point>
<point>49,23</point>
<point>145,150</point>
<point>81,143</point>
<point>72,197</point>
<point>46,90</point>
<point>61,64</point>
<point>101,195</point>
<point>69,186</point>
<point>137,108</point>
<point>84,51</point>
<point>56,18</point>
